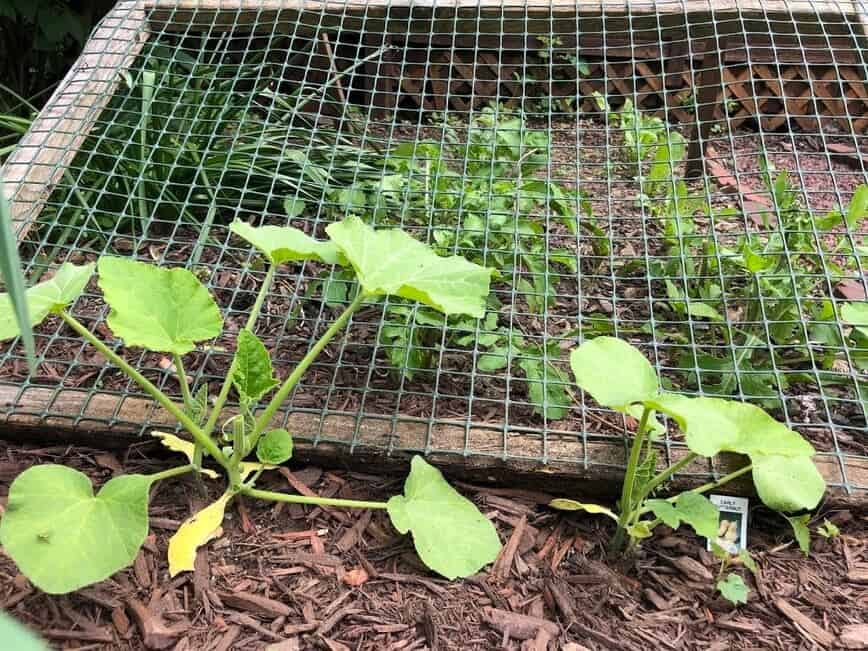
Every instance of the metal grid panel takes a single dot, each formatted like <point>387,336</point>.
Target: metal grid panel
<point>478,130</point>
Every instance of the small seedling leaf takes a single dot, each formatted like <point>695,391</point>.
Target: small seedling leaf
<point>62,536</point>
<point>274,447</point>
<point>282,244</point>
<point>392,262</point>
<point>62,289</point>
<point>573,505</point>
<point>253,375</point>
<point>196,531</point>
<point>801,532</point>
<point>856,314</point>
<point>615,373</point>
<point>177,444</point>
<point>733,589</point>
<point>787,483</point>
<point>162,310</point>
<point>828,530</point>
<point>451,536</point>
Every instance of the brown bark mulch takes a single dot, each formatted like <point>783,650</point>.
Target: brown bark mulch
<point>285,577</point>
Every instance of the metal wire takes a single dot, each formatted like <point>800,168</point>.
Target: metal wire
<point>199,132</point>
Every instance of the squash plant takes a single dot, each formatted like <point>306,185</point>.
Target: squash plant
<point>617,376</point>
<point>63,536</point>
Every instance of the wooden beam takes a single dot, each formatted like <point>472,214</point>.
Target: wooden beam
<point>112,421</point>
<point>47,149</point>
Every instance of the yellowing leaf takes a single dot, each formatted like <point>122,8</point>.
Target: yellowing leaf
<point>573,505</point>
<point>247,468</point>
<point>177,444</point>
<point>196,531</point>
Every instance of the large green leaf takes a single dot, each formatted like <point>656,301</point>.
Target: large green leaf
<point>615,373</point>
<point>787,483</point>
<point>64,287</point>
<point>286,244</point>
<point>253,374</point>
<point>13,278</point>
<point>450,534</point>
<point>392,262</point>
<point>62,537</point>
<point>713,425</point>
<point>163,310</point>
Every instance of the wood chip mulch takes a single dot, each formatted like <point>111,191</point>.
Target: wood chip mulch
<point>286,577</point>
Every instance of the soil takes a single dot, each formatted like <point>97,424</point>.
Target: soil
<point>295,577</point>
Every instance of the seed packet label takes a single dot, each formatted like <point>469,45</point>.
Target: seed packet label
<point>732,522</point>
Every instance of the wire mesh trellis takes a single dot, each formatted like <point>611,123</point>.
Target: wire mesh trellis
<point>683,175</point>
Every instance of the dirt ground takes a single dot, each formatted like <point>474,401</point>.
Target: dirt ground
<point>292,577</point>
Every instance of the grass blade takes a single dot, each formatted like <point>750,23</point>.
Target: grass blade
<point>10,270</point>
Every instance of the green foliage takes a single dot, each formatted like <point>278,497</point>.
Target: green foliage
<point>163,310</point>
<point>733,589</point>
<point>801,531</point>
<point>54,525</point>
<point>285,244</point>
<point>54,522</point>
<point>252,373</point>
<point>16,636</point>
<point>615,373</point>
<point>618,376</point>
<point>691,508</point>
<point>828,530</point>
<point>451,536</point>
<point>274,447</point>
<point>392,262</point>
<point>47,297</point>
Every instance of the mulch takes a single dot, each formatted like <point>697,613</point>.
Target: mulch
<point>285,577</point>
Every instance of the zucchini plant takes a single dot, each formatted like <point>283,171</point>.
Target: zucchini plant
<point>54,523</point>
<point>617,376</point>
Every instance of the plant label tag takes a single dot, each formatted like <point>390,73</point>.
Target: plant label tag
<point>732,522</point>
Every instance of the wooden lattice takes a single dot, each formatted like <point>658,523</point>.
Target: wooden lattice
<point>770,94</point>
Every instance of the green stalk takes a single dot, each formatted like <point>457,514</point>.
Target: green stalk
<point>198,435</point>
<point>182,380</point>
<point>629,478</point>
<point>664,476</point>
<point>171,472</point>
<point>227,383</point>
<point>263,421</point>
<point>318,501</point>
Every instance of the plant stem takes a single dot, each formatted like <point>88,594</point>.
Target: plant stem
<point>664,476</point>
<point>304,499</point>
<point>251,321</point>
<point>263,421</point>
<point>182,380</point>
<point>723,480</point>
<point>166,402</point>
<point>172,472</point>
<point>629,478</point>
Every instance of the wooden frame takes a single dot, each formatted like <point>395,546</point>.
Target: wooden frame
<point>109,420</point>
